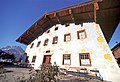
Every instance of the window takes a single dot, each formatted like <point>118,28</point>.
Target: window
<point>81,34</point>
<point>46,42</point>
<point>67,24</point>
<point>47,59</point>
<point>85,59</point>
<point>26,60</point>
<point>33,59</point>
<point>67,37</point>
<point>32,45</point>
<point>55,40</point>
<point>48,51</point>
<point>66,59</point>
<point>38,43</point>
<point>56,28</point>
<point>48,31</point>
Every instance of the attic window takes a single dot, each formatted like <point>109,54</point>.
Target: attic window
<point>32,45</point>
<point>56,28</point>
<point>48,51</point>
<point>67,24</point>
<point>48,31</point>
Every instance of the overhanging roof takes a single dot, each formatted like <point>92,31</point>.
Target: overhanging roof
<point>108,16</point>
<point>116,46</point>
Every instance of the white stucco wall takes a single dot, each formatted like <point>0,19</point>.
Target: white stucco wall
<point>95,44</point>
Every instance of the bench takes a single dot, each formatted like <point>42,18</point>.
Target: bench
<point>94,73</point>
<point>79,69</point>
<point>91,73</point>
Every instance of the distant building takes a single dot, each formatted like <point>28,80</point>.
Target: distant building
<point>116,52</point>
<point>76,36</point>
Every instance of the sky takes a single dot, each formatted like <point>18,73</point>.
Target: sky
<point>16,16</point>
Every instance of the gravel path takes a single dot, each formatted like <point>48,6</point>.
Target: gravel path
<point>14,74</point>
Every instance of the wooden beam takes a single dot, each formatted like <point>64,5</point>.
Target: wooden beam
<point>42,30</point>
<point>96,7</point>
<point>58,18</point>
<point>21,40</point>
<point>36,25</point>
<point>71,14</point>
<point>48,19</point>
<point>29,32</point>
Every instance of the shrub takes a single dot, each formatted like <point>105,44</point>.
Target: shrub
<point>47,73</point>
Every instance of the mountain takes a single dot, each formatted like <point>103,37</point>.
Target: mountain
<point>2,52</point>
<point>16,50</point>
<point>5,57</point>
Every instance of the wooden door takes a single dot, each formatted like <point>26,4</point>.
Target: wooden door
<point>47,59</point>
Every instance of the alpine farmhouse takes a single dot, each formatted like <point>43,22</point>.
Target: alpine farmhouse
<point>76,37</point>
